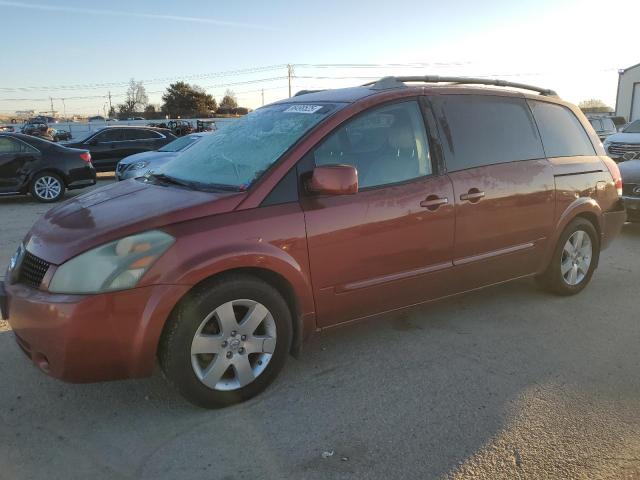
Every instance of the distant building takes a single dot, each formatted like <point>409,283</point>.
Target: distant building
<point>628,98</point>
<point>24,114</point>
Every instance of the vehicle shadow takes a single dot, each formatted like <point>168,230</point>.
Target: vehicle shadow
<point>413,394</point>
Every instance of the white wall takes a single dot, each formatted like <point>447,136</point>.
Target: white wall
<point>629,94</point>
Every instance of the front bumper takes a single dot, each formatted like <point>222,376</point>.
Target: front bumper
<point>89,338</point>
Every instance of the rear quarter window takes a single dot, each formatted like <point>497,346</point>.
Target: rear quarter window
<point>480,130</point>
<point>562,133</point>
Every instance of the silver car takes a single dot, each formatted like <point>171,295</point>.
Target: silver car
<point>626,144</point>
<point>140,164</point>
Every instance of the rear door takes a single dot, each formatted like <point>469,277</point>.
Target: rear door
<point>503,186</point>
<point>139,140</point>
<point>389,245</point>
<point>106,148</point>
<point>16,159</point>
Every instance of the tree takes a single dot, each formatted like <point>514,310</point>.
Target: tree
<point>136,99</point>
<point>594,105</point>
<point>229,101</point>
<point>184,100</point>
<point>112,112</point>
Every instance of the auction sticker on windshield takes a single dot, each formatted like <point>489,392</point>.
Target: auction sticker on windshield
<point>303,108</point>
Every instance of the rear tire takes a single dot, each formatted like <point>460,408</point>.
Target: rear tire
<point>47,187</point>
<point>226,341</point>
<point>574,259</point>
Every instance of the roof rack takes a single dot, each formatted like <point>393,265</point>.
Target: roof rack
<point>399,82</point>
<point>304,92</point>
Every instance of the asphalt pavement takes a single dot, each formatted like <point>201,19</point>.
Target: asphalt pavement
<point>508,382</point>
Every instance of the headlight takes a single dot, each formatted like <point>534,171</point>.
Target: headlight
<point>138,165</point>
<point>114,266</point>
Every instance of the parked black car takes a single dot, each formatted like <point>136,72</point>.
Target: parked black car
<point>43,168</point>
<point>630,171</point>
<point>110,144</point>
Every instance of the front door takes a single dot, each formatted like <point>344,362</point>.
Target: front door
<point>503,186</point>
<point>389,245</point>
<point>16,158</point>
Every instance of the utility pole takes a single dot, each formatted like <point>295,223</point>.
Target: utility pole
<point>263,97</point>
<point>110,101</point>
<point>289,74</point>
<point>51,99</point>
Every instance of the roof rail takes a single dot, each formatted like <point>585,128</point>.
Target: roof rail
<point>304,92</point>
<point>399,82</point>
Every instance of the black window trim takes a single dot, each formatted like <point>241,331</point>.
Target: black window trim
<point>303,176</point>
<point>159,135</point>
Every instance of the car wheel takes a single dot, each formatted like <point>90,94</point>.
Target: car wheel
<point>226,341</point>
<point>47,187</point>
<point>574,259</point>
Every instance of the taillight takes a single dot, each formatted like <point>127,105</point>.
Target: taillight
<point>615,174</point>
<point>86,156</point>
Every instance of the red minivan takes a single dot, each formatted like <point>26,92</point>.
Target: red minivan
<point>318,210</point>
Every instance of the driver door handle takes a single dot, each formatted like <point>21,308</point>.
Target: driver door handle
<point>433,202</point>
<point>473,195</point>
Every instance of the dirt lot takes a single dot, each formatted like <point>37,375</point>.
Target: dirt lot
<point>508,382</point>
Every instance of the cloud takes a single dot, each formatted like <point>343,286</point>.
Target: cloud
<point>117,13</point>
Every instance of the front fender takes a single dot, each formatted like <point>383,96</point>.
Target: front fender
<point>270,239</point>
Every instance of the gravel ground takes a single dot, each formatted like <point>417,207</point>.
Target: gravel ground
<point>508,382</point>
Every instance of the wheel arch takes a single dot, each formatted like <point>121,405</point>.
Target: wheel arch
<point>583,207</point>
<point>302,325</point>
<point>48,169</point>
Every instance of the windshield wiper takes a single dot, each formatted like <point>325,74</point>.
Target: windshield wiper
<point>205,187</point>
<point>168,179</point>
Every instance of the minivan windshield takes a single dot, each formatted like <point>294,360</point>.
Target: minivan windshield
<point>179,143</point>
<point>633,127</point>
<point>237,154</point>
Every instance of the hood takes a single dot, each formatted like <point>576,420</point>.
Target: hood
<point>148,156</point>
<point>630,171</point>
<point>117,210</point>
<point>624,138</point>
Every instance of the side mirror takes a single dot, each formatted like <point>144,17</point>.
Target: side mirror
<point>334,180</point>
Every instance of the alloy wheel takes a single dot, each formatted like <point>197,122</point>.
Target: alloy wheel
<point>576,257</point>
<point>47,187</point>
<point>233,345</point>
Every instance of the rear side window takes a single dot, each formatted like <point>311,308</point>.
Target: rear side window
<point>484,130</point>
<point>8,145</point>
<point>140,134</point>
<point>562,134</point>
<point>11,145</point>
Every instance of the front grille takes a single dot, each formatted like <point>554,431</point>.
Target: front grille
<point>627,189</point>
<point>32,270</point>
<point>619,149</point>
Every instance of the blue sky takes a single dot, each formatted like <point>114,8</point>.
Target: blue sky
<point>73,43</point>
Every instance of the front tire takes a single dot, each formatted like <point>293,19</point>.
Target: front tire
<point>574,259</point>
<point>226,341</point>
<point>47,187</point>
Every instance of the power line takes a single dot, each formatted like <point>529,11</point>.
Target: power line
<point>146,82</point>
